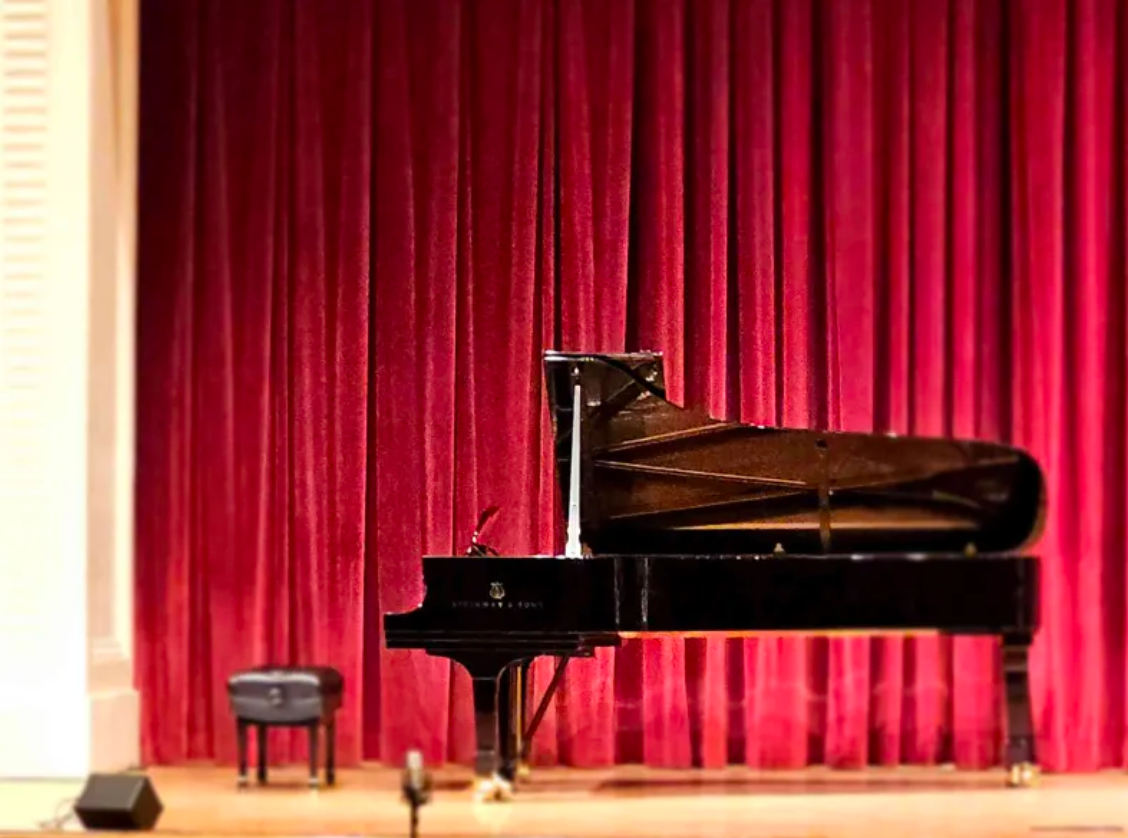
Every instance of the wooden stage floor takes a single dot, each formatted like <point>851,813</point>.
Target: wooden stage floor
<point>626,802</point>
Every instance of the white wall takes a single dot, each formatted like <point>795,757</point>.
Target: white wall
<point>68,108</point>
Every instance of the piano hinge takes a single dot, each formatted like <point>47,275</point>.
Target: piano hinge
<point>779,551</point>
<point>970,550</point>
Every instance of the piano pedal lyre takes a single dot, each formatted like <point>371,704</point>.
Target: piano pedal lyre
<point>1023,775</point>
<point>518,686</point>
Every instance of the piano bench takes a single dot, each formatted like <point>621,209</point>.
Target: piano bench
<point>287,696</point>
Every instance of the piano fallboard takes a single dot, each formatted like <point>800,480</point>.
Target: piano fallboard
<point>595,600</point>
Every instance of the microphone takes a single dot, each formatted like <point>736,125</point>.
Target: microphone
<point>416,785</point>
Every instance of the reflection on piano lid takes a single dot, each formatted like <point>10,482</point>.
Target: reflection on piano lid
<point>658,478</point>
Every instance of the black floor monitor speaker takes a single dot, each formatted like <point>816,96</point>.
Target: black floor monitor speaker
<point>118,802</point>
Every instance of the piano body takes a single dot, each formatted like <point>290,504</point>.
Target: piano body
<point>680,523</point>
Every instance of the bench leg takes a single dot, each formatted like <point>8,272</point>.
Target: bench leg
<point>331,752</point>
<point>314,730</point>
<point>262,731</point>
<point>241,737</point>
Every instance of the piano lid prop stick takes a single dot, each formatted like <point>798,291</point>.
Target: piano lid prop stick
<point>572,549</point>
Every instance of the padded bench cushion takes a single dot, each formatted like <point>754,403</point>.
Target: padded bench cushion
<point>285,694</point>
<point>324,678</point>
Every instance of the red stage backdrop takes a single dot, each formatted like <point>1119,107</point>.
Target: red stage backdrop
<point>361,222</point>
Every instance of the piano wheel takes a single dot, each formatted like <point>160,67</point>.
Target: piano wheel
<point>523,771</point>
<point>1023,775</point>
<point>493,789</point>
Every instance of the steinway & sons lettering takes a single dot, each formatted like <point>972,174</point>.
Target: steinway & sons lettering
<point>497,605</point>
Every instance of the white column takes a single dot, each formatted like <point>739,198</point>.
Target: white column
<point>68,107</point>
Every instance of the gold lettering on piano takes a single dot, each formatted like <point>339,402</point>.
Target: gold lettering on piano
<point>496,605</point>
<point>497,602</point>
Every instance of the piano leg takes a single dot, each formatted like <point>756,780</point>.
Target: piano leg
<point>490,784</point>
<point>493,766</point>
<point>506,732</point>
<point>500,749</point>
<point>1021,758</point>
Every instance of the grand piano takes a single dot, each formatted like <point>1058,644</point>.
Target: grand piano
<point>681,523</point>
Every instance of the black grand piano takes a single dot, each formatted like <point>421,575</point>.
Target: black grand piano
<point>680,523</point>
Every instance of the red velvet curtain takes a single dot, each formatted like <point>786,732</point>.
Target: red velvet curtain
<point>362,222</point>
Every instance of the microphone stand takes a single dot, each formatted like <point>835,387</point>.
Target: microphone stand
<point>416,788</point>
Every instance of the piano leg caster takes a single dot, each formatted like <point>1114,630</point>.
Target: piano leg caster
<point>523,771</point>
<point>494,789</point>
<point>1023,775</point>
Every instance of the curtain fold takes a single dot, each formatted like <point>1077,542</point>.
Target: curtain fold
<point>362,221</point>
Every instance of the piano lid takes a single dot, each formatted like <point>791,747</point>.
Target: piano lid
<point>660,478</point>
